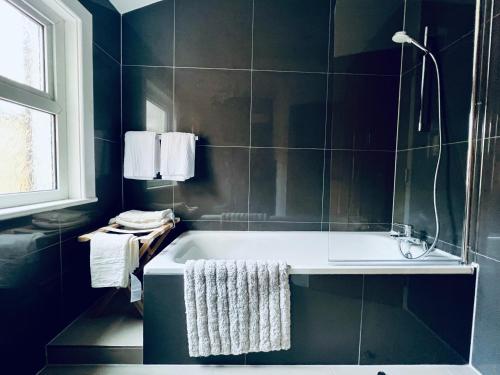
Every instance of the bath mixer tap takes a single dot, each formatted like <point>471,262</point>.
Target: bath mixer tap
<point>407,231</point>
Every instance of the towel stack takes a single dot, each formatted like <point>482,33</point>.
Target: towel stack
<point>136,219</point>
<point>145,156</point>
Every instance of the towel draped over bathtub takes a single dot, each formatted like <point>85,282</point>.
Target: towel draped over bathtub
<point>236,306</point>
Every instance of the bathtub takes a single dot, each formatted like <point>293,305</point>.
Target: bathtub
<point>305,252</point>
<point>354,299</point>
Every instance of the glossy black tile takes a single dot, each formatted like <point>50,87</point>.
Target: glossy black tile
<point>288,109</point>
<point>364,110</point>
<point>76,292</point>
<point>362,32</point>
<point>361,184</point>
<point>456,84</point>
<point>486,352</point>
<point>213,33</point>
<point>165,340</point>
<point>445,304</point>
<point>148,195</point>
<point>359,227</point>
<point>107,106</point>
<point>215,225</point>
<point>22,236</point>
<point>148,35</point>
<point>447,22</point>
<point>214,104</point>
<point>416,192</point>
<point>147,98</point>
<point>31,289</point>
<point>108,174</point>
<point>291,35</point>
<point>326,312</point>
<point>409,338</point>
<point>219,188</point>
<point>283,226</point>
<point>286,184</point>
<point>105,26</point>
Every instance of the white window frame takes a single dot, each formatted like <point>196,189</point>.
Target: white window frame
<point>69,96</point>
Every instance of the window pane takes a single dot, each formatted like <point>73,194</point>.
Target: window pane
<point>28,148</point>
<point>22,47</point>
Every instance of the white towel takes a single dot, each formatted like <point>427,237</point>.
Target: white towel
<point>177,156</point>
<point>141,157</point>
<point>148,225</point>
<point>112,258</point>
<point>236,307</point>
<point>136,216</point>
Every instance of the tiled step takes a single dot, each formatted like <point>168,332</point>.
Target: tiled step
<point>114,336</point>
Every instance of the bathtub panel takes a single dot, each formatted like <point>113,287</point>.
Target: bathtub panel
<point>405,322</point>
<point>326,313</point>
<point>165,339</point>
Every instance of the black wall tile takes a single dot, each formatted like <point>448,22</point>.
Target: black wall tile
<point>213,33</point>
<point>107,107</point>
<point>286,184</point>
<point>409,338</point>
<point>219,187</point>
<point>140,86</point>
<point>447,21</point>
<point>288,109</point>
<point>148,35</point>
<point>148,195</point>
<point>291,35</point>
<point>214,104</point>
<point>105,26</point>
<point>361,186</point>
<point>215,225</point>
<point>31,286</point>
<point>362,32</point>
<point>283,226</point>
<point>456,84</point>
<point>364,110</point>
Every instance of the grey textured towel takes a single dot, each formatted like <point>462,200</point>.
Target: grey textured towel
<point>235,307</point>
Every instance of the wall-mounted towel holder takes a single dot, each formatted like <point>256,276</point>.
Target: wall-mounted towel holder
<point>195,137</point>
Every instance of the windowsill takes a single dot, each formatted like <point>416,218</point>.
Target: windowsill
<point>12,212</point>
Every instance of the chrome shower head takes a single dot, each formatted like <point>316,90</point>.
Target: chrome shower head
<point>401,37</point>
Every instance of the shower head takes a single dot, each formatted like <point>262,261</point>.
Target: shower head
<point>401,37</point>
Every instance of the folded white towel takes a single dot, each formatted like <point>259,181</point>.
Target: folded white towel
<point>148,225</point>
<point>177,156</point>
<point>236,307</point>
<point>136,216</point>
<point>141,157</point>
<point>112,258</point>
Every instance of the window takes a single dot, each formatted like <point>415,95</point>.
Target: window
<point>46,121</point>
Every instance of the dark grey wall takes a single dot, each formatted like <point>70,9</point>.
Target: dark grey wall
<point>293,110</point>
<point>486,351</point>
<point>451,25</point>
<point>44,273</point>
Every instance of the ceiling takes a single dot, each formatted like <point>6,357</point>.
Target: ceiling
<point>124,6</point>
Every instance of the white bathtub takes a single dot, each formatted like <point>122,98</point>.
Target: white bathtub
<point>305,252</point>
